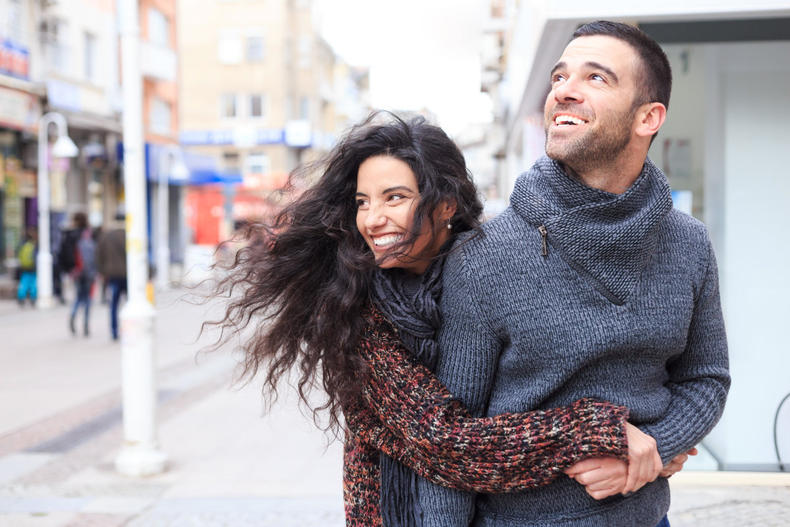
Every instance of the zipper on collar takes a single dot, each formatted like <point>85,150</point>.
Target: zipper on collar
<point>544,246</point>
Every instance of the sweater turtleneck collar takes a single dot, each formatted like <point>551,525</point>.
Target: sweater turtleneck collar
<point>607,237</point>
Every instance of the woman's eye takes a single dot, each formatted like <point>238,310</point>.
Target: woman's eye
<point>396,197</point>
<point>362,203</point>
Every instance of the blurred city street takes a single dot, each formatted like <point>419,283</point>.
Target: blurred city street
<point>230,464</point>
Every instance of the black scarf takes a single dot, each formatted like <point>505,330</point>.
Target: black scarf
<point>411,304</point>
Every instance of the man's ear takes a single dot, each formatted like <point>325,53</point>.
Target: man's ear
<point>649,118</point>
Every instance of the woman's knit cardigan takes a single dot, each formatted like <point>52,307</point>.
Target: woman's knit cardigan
<point>405,412</point>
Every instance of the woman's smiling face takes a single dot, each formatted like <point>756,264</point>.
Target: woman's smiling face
<point>387,197</point>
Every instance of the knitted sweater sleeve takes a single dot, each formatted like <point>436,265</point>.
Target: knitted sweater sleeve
<point>699,378</point>
<point>470,350</point>
<point>408,414</point>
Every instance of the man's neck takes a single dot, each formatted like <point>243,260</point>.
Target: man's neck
<point>614,178</point>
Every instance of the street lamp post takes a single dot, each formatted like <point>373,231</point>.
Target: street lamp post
<point>140,454</point>
<point>63,147</point>
<point>170,164</point>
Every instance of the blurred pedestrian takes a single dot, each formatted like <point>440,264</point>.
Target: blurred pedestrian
<point>111,263</point>
<point>84,273</point>
<point>27,269</point>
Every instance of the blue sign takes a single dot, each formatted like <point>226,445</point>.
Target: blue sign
<point>14,59</point>
<point>261,136</point>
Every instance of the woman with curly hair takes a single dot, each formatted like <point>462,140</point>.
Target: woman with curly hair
<point>344,286</point>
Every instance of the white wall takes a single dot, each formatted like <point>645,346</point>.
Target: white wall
<point>754,80</point>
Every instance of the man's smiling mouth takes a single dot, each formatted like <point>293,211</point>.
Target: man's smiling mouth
<point>568,120</point>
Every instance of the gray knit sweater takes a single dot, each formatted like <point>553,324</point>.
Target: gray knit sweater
<point>619,301</point>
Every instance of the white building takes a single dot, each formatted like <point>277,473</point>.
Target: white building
<point>724,145</point>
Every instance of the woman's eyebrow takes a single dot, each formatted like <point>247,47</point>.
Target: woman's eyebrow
<point>399,187</point>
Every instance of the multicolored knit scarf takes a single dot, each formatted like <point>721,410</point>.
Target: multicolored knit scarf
<point>411,304</point>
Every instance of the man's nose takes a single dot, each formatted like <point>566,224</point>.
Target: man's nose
<point>568,91</point>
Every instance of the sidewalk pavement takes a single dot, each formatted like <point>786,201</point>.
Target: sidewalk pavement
<point>230,462</point>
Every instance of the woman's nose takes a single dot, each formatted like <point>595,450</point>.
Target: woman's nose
<point>375,218</point>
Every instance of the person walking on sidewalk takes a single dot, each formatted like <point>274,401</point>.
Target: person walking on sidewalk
<point>27,269</point>
<point>111,263</point>
<point>84,274</point>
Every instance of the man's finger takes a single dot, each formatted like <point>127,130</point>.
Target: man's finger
<point>583,466</point>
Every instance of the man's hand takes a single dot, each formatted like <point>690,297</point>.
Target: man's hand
<point>644,463</point>
<point>677,463</point>
<point>601,476</point>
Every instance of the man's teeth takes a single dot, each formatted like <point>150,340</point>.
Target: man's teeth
<point>387,240</point>
<point>567,119</point>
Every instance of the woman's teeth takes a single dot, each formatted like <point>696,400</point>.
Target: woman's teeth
<point>390,239</point>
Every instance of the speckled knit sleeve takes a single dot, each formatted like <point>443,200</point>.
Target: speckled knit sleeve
<point>699,379</point>
<point>408,414</point>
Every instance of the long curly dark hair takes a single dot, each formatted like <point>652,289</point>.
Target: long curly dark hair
<point>303,280</point>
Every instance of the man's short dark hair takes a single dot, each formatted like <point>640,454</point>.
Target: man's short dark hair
<point>656,77</point>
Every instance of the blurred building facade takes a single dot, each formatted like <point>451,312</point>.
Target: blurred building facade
<point>722,148</point>
<point>63,56</point>
<point>262,93</point>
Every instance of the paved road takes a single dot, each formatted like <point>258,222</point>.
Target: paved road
<point>231,464</point>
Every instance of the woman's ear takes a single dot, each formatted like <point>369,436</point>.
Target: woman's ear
<point>447,209</point>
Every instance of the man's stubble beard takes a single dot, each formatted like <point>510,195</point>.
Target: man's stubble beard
<point>598,147</point>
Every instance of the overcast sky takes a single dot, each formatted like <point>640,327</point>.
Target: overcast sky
<point>421,53</point>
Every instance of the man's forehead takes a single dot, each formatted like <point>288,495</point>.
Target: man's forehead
<point>603,49</point>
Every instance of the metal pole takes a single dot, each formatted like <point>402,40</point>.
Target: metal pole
<point>44,257</point>
<point>139,455</point>
<point>163,243</point>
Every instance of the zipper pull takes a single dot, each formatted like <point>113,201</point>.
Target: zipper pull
<point>545,246</point>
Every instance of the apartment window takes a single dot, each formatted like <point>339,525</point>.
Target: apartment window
<point>158,28</point>
<point>230,49</point>
<point>257,163</point>
<point>304,108</point>
<point>305,50</point>
<point>14,21</point>
<point>230,161</point>
<point>89,60</point>
<point>160,116</point>
<point>257,102</point>
<point>55,34</point>
<point>255,48</point>
<point>227,106</point>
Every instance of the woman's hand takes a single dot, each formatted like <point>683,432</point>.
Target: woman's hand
<point>644,463</point>
<point>676,465</point>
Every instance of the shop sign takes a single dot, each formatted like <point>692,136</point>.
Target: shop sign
<point>14,59</point>
<point>19,110</point>
<point>239,136</point>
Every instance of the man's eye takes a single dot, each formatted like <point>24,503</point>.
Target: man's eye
<point>597,77</point>
<point>557,78</point>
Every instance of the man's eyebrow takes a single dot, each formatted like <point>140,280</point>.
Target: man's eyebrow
<point>591,65</point>
<point>599,66</point>
<point>557,66</point>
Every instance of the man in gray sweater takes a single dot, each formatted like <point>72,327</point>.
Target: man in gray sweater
<point>589,285</point>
